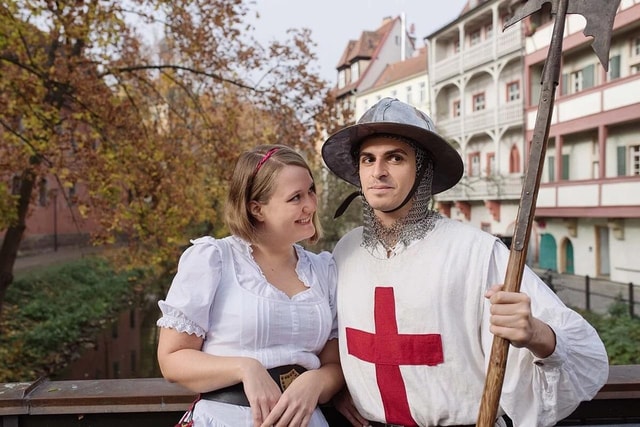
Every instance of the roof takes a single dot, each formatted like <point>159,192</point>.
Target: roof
<point>403,69</point>
<point>366,46</point>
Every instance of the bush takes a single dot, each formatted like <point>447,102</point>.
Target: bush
<point>620,333</point>
<point>48,312</point>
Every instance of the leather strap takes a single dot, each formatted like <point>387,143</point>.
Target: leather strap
<point>235,395</point>
<point>377,424</point>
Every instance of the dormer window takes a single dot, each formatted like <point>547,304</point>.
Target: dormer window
<point>355,71</point>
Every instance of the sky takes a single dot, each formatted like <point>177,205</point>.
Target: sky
<point>334,22</point>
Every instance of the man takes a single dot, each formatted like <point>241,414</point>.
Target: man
<point>419,298</point>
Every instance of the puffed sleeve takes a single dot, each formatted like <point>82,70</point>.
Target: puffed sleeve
<point>540,392</point>
<point>332,282</point>
<point>188,302</point>
<point>326,276</point>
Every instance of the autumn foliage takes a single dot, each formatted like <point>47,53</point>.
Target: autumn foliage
<point>144,105</point>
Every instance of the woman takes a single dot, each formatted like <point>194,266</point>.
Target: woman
<point>250,320</point>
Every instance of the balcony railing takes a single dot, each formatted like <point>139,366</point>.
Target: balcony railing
<point>155,402</point>
<point>485,188</point>
<point>482,53</point>
<point>509,114</point>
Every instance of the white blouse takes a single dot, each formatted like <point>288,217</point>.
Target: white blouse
<point>220,294</point>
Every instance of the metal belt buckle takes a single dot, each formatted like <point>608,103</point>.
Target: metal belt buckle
<point>287,378</point>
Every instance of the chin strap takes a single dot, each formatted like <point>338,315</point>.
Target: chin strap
<point>345,204</point>
<point>347,201</point>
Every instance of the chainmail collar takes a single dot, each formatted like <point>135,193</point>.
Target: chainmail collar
<point>419,221</point>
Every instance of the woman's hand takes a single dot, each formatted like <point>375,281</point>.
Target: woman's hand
<point>297,403</point>
<point>262,392</point>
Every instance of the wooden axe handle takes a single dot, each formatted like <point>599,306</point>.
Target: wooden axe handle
<point>517,257</point>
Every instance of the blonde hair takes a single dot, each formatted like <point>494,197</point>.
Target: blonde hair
<point>254,178</point>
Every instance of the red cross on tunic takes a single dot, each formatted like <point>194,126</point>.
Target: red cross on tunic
<point>388,349</point>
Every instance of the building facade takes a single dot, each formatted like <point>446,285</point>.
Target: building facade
<point>588,208</point>
<point>365,59</point>
<point>406,80</point>
<point>476,75</point>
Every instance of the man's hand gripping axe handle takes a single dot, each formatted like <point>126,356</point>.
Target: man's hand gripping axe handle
<point>599,15</point>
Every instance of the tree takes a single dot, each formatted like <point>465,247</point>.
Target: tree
<point>147,134</point>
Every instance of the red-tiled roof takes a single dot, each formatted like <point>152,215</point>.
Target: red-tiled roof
<point>366,45</point>
<point>403,69</point>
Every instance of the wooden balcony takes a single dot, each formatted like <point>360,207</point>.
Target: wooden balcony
<point>155,402</point>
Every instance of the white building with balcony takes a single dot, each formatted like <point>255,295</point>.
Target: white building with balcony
<point>476,75</point>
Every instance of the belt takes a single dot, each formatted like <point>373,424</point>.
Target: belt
<point>235,395</point>
<point>377,424</point>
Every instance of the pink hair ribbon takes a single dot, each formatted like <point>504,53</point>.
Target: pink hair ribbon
<point>264,159</point>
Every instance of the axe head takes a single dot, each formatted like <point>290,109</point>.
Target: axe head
<point>599,14</point>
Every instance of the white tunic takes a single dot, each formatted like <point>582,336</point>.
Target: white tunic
<point>415,340</point>
<point>220,294</point>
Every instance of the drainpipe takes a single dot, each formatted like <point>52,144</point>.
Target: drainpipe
<point>403,37</point>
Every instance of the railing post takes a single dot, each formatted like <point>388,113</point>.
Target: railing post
<point>587,292</point>
<point>631,302</point>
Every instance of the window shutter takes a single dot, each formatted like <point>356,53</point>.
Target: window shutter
<point>551,164</point>
<point>614,67</point>
<point>588,76</point>
<point>565,166</point>
<point>622,160</point>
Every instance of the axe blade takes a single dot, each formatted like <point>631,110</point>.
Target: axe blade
<point>599,15</point>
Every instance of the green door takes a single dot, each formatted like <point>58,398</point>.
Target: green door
<point>548,252</point>
<point>568,256</point>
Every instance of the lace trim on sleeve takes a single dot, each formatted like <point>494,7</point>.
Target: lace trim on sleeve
<point>175,319</point>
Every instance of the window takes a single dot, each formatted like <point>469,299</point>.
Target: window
<point>635,46</point>
<point>488,31</point>
<point>614,67</point>
<point>633,157</point>
<point>551,167</point>
<point>474,161</point>
<point>474,38</point>
<point>355,71</point>
<point>409,97</point>
<point>455,109</point>
<point>577,81</point>
<point>635,69</point>
<point>478,102</point>
<point>514,160</point>
<point>456,46</point>
<point>491,164</point>
<point>423,92</point>
<point>341,78</point>
<point>513,91</point>
<point>634,153</point>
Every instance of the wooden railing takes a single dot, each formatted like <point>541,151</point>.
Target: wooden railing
<point>155,402</point>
